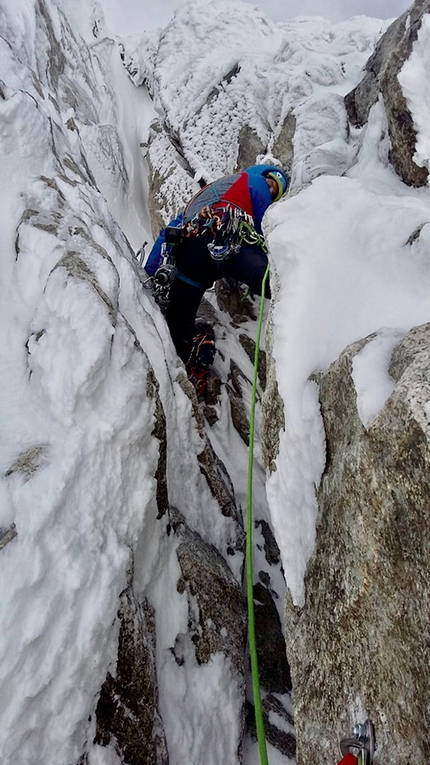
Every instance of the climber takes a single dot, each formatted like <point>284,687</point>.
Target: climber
<point>218,235</point>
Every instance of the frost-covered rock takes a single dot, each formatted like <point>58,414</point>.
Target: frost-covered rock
<point>400,55</point>
<point>238,87</point>
<point>128,706</point>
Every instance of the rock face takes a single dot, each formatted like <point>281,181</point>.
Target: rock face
<point>360,646</point>
<point>380,78</point>
<point>127,709</point>
<point>216,620</point>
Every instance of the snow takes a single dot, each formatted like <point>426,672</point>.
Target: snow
<point>372,382</point>
<point>79,335</point>
<point>197,709</point>
<point>132,115</point>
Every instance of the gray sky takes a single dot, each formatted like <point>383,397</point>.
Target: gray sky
<point>336,10</point>
<point>129,16</point>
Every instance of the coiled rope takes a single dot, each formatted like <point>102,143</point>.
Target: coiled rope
<point>261,736</point>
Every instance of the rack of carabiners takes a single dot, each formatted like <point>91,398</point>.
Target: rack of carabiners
<point>230,227</point>
<point>359,748</point>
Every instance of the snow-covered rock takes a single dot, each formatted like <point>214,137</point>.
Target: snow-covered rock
<point>398,65</point>
<point>229,86</point>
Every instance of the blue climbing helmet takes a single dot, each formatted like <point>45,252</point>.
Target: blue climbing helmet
<point>281,179</point>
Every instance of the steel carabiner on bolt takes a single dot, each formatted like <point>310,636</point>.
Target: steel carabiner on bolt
<point>362,740</point>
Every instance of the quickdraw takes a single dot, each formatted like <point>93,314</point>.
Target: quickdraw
<point>251,236</point>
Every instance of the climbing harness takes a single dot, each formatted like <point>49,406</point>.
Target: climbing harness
<point>229,227</point>
<point>261,737</point>
<point>362,742</point>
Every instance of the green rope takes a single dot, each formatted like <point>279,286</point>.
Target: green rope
<point>248,234</point>
<point>261,737</point>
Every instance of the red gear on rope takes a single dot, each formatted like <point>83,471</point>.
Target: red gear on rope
<point>349,759</point>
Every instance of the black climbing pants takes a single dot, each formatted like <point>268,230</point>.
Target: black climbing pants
<point>194,262</point>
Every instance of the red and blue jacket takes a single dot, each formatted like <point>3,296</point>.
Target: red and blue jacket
<point>247,191</point>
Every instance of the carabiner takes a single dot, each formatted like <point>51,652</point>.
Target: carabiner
<point>363,740</point>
